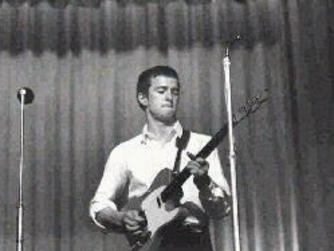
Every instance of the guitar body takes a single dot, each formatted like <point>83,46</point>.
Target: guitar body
<point>156,211</point>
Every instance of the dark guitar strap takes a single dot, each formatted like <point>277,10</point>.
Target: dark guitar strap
<point>181,144</point>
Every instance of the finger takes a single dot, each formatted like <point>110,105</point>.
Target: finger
<point>132,229</point>
<point>203,165</point>
<point>199,170</point>
<point>204,168</point>
<point>201,161</point>
<point>138,232</point>
<point>139,216</point>
<point>193,164</point>
<point>194,171</point>
<point>196,165</point>
<point>130,222</point>
<point>193,168</point>
<point>198,160</point>
<point>134,215</point>
<point>136,220</point>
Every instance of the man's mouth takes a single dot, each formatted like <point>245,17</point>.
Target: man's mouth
<point>168,105</point>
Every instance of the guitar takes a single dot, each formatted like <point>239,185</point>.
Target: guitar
<point>155,203</point>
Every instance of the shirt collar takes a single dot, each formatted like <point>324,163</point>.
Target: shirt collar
<point>177,129</point>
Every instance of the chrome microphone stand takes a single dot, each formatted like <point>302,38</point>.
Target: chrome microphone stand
<point>232,155</point>
<point>25,96</point>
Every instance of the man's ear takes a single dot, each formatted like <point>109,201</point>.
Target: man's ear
<point>142,99</point>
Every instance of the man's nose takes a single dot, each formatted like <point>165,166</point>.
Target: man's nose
<point>169,95</point>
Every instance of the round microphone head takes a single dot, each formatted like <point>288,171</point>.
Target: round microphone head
<point>27,93</point>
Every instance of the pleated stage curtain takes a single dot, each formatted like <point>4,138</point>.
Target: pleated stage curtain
<point>82,59</point>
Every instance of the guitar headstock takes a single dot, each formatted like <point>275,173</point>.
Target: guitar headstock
<point>251,106</point>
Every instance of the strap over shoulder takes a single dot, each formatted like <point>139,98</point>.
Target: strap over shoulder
<point>181,144</point>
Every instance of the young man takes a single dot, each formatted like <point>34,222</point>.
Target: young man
<point>133,165</point>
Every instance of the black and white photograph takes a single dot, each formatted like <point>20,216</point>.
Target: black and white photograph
<point>166,125</point>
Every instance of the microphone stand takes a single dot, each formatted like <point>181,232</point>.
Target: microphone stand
<point>25,95</point>
<point>20,215</point>
<point>232,155</point>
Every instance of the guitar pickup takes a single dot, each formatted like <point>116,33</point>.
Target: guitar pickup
<point>159,202</point>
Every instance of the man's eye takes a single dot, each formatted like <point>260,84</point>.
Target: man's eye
<point>175,92</point>
<point>161,91</point>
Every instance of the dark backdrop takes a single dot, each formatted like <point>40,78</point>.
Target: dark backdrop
<point>82,59</point>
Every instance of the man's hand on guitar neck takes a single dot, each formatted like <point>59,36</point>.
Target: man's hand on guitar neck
<point>199,167</point>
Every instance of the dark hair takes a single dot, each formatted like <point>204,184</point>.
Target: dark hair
<point>144,79</point>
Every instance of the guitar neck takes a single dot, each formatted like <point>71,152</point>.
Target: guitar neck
<point>203,153</point>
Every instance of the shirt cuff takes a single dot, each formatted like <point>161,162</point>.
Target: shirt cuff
<point>97,206</point>
<point>212,192</point>
<point>217,191</point>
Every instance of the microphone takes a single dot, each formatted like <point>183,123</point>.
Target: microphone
<point>27,93</point>
<point>230,43</point>
<point>236,38</point>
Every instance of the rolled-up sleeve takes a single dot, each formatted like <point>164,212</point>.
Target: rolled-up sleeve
<point>112,182</point>
<point>217,174</point>
<point>216,198</point>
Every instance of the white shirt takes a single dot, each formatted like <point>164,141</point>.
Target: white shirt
<point>136,162</point>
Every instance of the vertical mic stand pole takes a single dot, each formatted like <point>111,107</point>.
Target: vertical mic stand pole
<point>19,240</point>
<point>232,155</point>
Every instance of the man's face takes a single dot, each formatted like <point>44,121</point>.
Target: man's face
<point>163,98</point>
